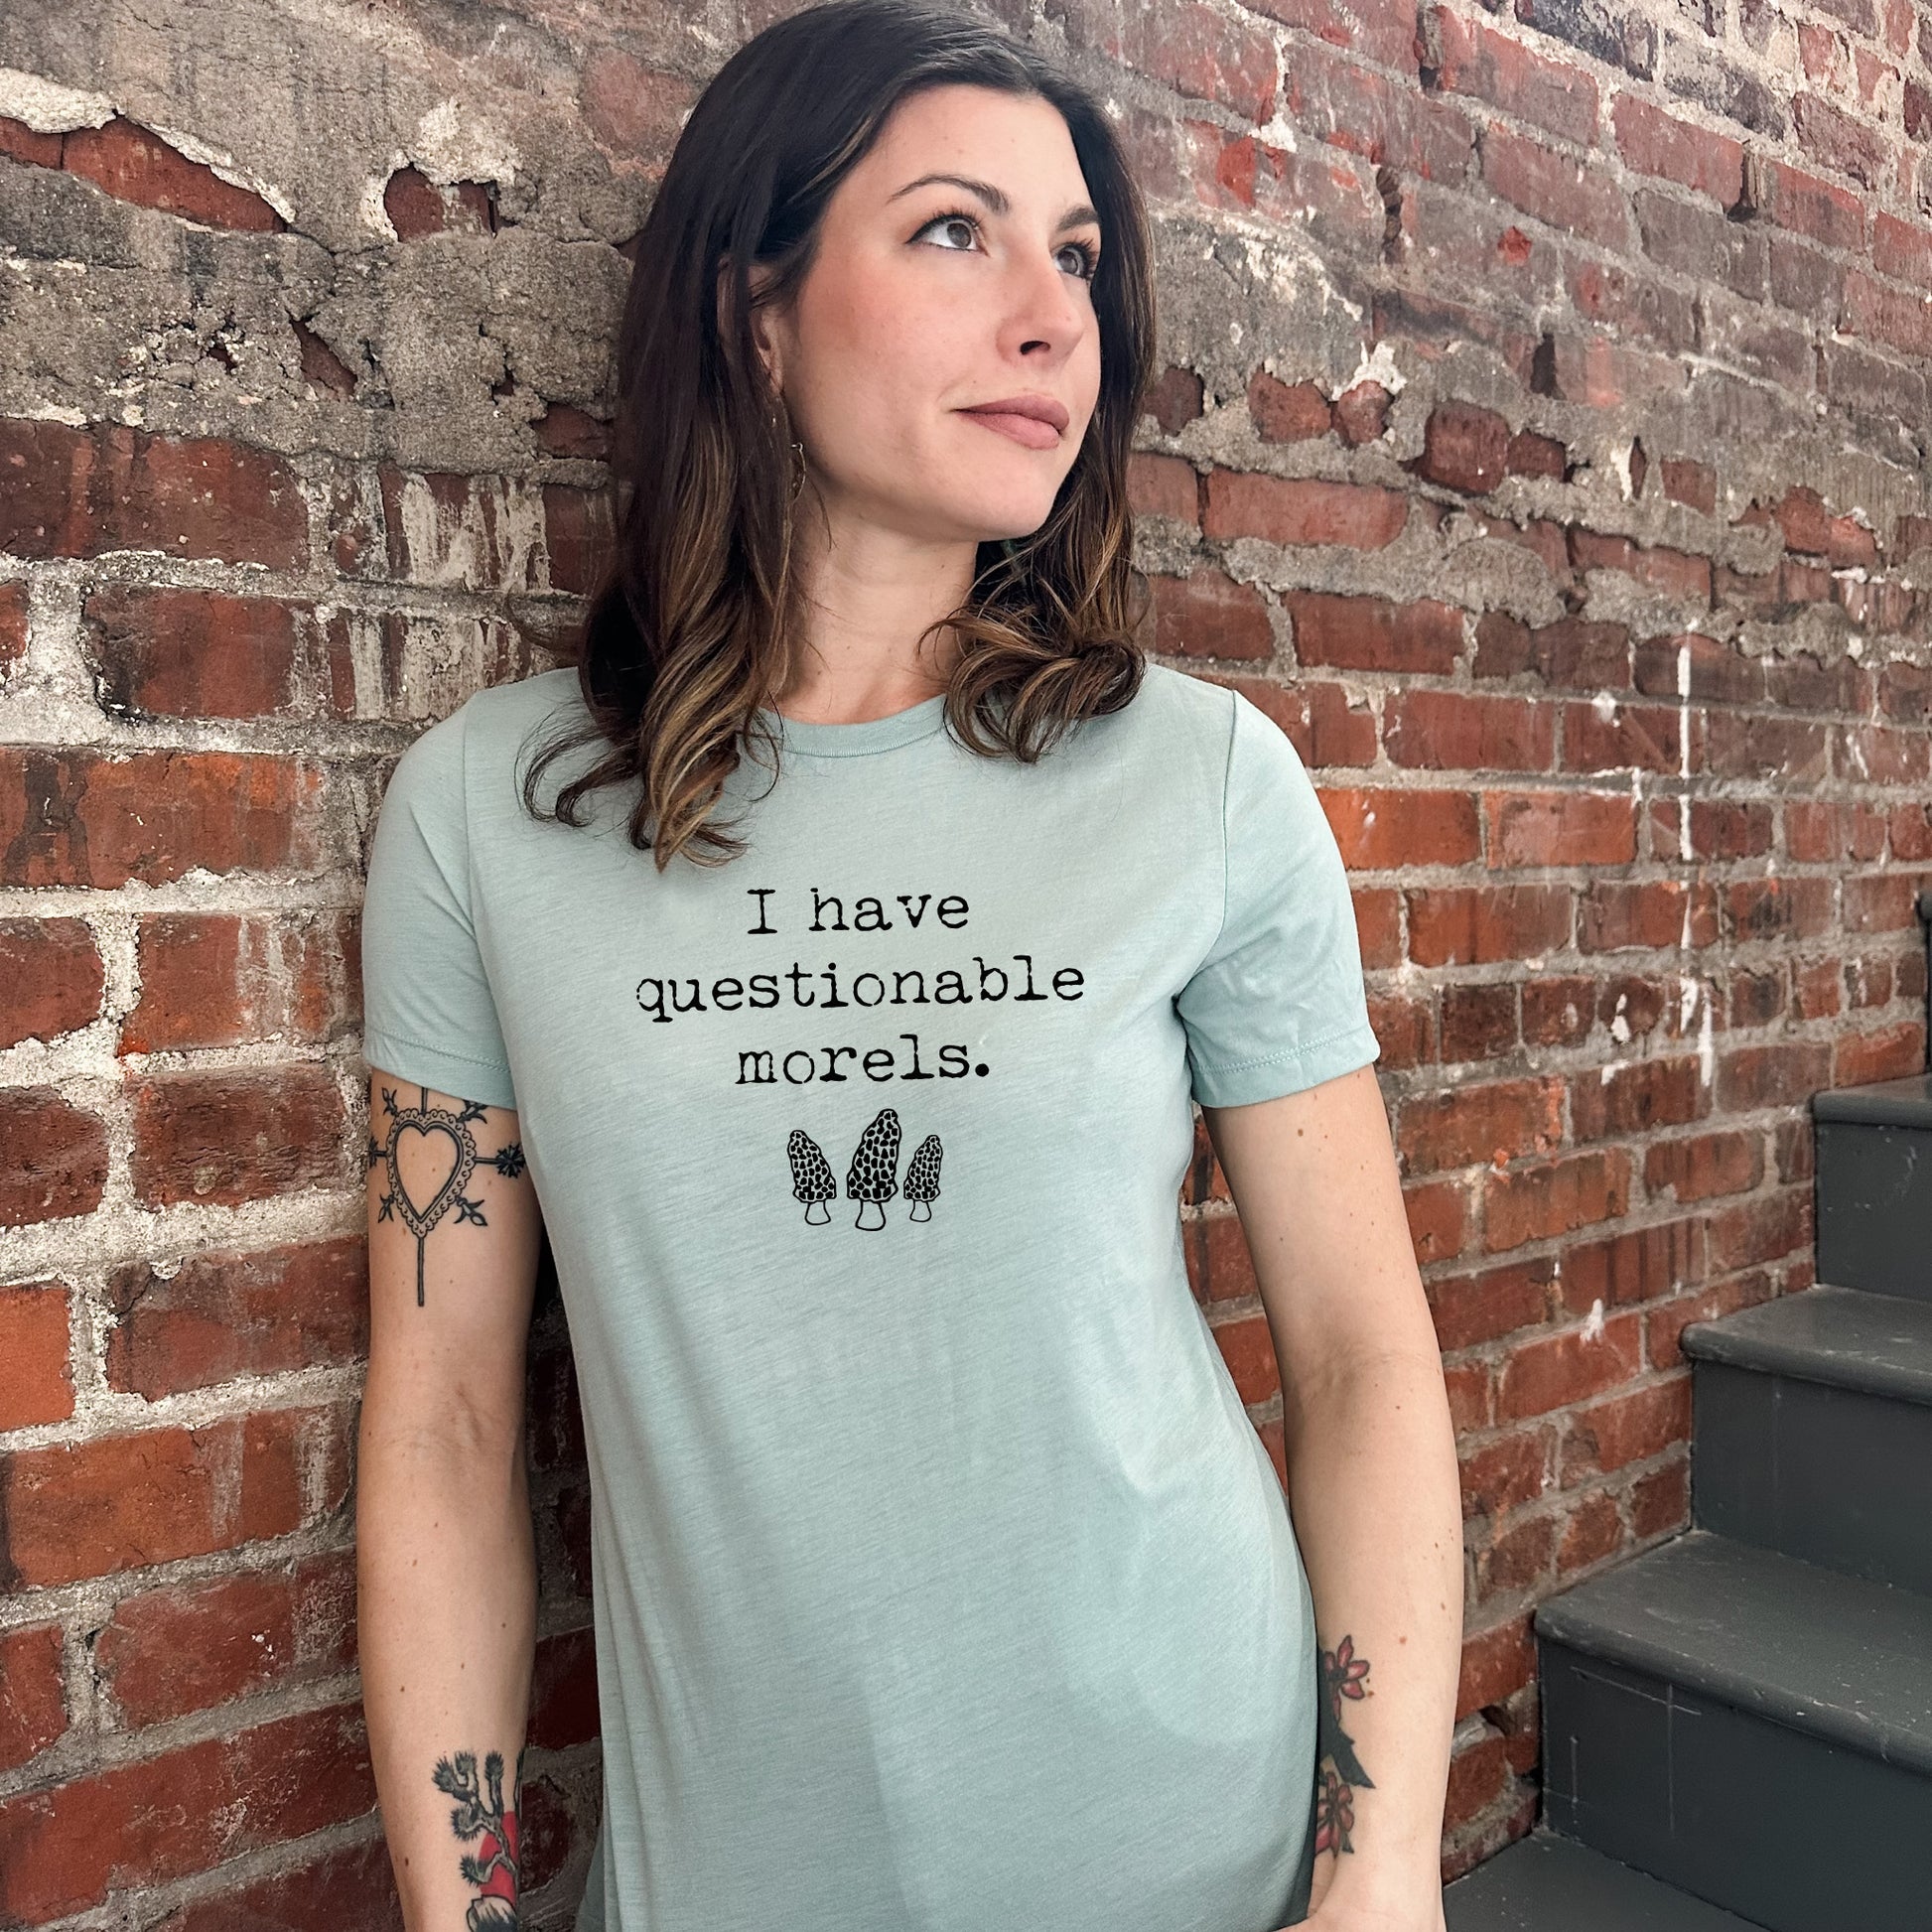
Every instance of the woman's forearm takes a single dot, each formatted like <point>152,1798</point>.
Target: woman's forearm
<point>446,1616</point>
<point>1374,1493</point>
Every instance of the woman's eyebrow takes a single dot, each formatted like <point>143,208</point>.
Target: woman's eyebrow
<point>994,197</point>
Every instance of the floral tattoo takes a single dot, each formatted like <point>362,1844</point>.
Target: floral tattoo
<point>1339,1771</point>
<point>426,1120</point>
<point>482,1814</point>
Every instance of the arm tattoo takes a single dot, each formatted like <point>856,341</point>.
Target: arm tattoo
<point>455,1127</point>
<point>1339,1771</point>
<point>482,1814</point>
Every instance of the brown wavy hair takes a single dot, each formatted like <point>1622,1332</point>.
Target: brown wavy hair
<point>691,628</point>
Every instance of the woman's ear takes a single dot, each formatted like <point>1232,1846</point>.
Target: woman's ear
<point>764,336</point>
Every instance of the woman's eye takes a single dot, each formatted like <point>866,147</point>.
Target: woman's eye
<point>1079,258</point>
<point>954,224</point>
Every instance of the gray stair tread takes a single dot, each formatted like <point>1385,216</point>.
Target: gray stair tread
<point>1546,1883</point>
<point>1834,1656</point>
<point>1878,1345</point>
<point>1904,1102</point>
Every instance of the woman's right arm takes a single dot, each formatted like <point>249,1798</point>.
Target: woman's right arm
<point>445,1560</point>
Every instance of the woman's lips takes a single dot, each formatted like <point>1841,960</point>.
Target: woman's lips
<point>1028,430</point>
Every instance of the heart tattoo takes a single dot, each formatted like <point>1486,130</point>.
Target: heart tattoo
<point>426,1120</point>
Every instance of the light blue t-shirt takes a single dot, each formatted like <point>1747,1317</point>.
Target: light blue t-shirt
<point>940,1582</point>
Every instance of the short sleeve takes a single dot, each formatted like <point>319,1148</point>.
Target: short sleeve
<point>428,1014</point>
<point>1278,1004</point>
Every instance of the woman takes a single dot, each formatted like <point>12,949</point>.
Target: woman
<point>840,1012</point>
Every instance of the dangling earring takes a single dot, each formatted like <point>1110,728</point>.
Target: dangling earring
<point>798,470</point>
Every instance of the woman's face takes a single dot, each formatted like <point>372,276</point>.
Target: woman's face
<point>928,299</point>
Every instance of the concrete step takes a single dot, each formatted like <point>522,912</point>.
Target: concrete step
<point>1874,1189</point>
<point>1748,1728</point>
<point>1814,1431</point>
<point>1546,1883</point>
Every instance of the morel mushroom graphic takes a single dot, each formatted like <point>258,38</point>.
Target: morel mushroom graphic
<point>922,1183</point>
<point>874,1163</point>
<point>811,1176</point>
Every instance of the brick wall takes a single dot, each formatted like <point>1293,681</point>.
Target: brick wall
<point>1542,443</point>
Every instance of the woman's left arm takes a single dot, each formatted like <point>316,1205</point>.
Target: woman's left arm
<point>1372,1485</point>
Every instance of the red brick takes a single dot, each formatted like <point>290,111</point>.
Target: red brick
<point>1465,448</point>
<point>1164,485</point>
<point>1780,908</point>
<point>1636,1099</point>
<point>1362,413</point>
<point>84,492</point>
<point>1566,1368</point>
<point>1688,481</point>
<point>1405,1029</point>
<point>24,143</point>
<point>1757,746</point>
<point>1631,738</point>
<point>33,1704</point>
<point>1628,1428</point>
<point>1478,1023</point>
<point>1634,1265</point>
<point>1496,1663</point>
<point>1284,412</point>
<point>245,1133</point>
<point>1476,60</point>
<point>1208,614</point>
<point>38,1385</point>
<point>1475,1123</point>
<point>1517,1559</point>
<point>1474,925</point>
<point>1298,510</point>
<point>1550,1198</point>
<point>221,1315</point>
<point>1385,121</point>
<point>1531,455</point>
<point>1765,1227</point>
<point>87,1510</point>
<point>192,653</point>
<point>1557,1010</point>
<point>1702,1165</point>
<point>135,165</point>
<point>1506,1473</point>
<point>1618,915</point>
<point>1456,730</point>
<point>1384,30</point>
<point>86,818</point>
<point>345,1886</point>
<point>1436,1214</point>
<point>1174,399</point>
<point>1560,828</point>
<point>1836,139</point>
<point>1477,1776</point>
<point>1378,919</point>
<point>216,979</point>
<point>167,1652</point>
<point>64,1849</point>
<point>1810,527</point>
<point>1570,194</point>
<point>1192,49</point>
<point>578,539</point>
<point>1371,634</point>
<point>1656,143</point>
<point>1249,1352</point>
<point>1326,725</point>
<point>1802,202</point>
<point>14,618</point>
<point>1781,1074</point>
<point>1593,1532</point>
<point>1567,653</point>
<point>53,1157</point>
<point>1673,572</point>
<point>1889,1054</point>
<point>1380,830</point>
<point>1661,1502</point>
<point>50,979</point>
<point>1470,1309</point>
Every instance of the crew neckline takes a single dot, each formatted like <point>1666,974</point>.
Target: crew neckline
<point>819,740</point>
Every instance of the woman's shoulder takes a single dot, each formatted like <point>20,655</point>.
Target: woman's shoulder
<point>1173,717</point>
